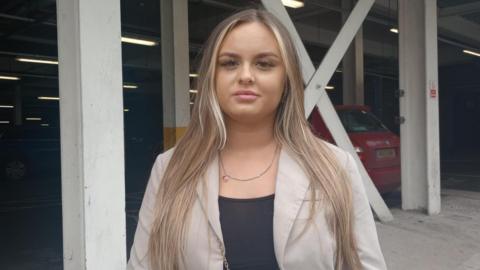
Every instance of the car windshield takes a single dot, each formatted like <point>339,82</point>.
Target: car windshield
<point>360,121</point>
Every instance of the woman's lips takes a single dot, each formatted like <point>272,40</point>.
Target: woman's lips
<point>245,95</point>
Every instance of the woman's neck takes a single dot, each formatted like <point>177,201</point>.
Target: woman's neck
<point>245,137</point>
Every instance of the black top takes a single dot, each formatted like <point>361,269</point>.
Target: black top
<point>247,227</point>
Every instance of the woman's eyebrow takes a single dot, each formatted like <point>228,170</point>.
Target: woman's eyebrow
<point>267,54</point>
<point>260,55</point>
<point>231,54</point>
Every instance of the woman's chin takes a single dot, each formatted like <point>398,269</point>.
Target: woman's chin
<point>250,117</point>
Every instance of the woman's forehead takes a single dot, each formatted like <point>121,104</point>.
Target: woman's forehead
<point>248,38</point>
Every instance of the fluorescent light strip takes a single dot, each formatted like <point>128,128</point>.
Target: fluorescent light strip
<point>37,61</point>
<point>193,91</point>
<point>7,106</point>
<point>130,86</point>
<point>33,119</point>
<point>49,98</point>
<point>4,122</point>
<point>471,53</point>
<point>126,110</point>
<point>44,125</point>
<point>394,30</point>
<point>139,41</point>
<point>293,3</point>
<point>11,78</point>
<point>329,87</point>
<point>193,75</point>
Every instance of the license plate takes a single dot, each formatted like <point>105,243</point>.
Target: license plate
<point>386,153</point>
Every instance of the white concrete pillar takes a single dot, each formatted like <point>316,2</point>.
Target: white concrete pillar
<point>175,70</point>
<point>91,119</point>
<point>419,105</point>
<point>352,63</point>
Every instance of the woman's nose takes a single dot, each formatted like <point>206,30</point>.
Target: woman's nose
<point>246,74</point>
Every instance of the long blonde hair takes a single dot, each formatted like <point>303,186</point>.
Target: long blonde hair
<point>206,135</point>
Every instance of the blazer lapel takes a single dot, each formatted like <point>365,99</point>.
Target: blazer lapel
<point>290,191</point>
<point>207,192</point>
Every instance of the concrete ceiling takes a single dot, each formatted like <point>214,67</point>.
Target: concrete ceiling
<point>28,28</point>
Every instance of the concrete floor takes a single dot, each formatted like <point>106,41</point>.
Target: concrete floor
<point>31,232</point>
<point>449,241</point>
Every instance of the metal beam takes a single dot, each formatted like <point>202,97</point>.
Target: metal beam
<point>317,80</point>
<point>460,10</point>
<point>460,29</point>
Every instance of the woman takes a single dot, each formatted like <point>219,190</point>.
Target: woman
<point>249,186</point>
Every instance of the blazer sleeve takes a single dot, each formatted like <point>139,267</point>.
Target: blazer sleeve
<point>139,251</point>
<point>365,231</point>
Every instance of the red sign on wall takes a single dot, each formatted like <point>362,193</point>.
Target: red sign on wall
<point>433,90</point>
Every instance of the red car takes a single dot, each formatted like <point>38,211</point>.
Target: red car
<point>377,147</point>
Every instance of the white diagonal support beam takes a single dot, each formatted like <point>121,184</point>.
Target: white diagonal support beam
<point>317,80</point>
<point>316,86</point>
<point>276,7</point>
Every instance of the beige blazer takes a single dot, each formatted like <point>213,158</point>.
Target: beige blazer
<point>312,250</point>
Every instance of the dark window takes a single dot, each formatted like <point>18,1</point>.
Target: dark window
<point>360,121</point>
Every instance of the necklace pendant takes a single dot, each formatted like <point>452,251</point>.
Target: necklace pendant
<point>225,179</point>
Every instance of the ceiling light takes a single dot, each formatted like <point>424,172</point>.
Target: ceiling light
<point>44,125</point>
<point>126,110</point>
<point>329,87</point>
<point>139,41</point>
<point>130,86</point>
<point>193,91</point>
<point>7,106</point>
<point>11,78</point>
<point>49,98</point>
<point>394,30</point>
<point>37,61</point>
<point>33,119</point>
<point>4,122</point>
<point>471,52</point>
<point>193,75</point>
<point>293,3</point>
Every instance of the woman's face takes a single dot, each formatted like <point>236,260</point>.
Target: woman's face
<point>250,74</point>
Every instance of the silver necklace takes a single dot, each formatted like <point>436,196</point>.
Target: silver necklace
<point>227,177</point>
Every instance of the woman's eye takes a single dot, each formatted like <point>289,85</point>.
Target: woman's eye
<point>265,64</point>
<point>228,63</point>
